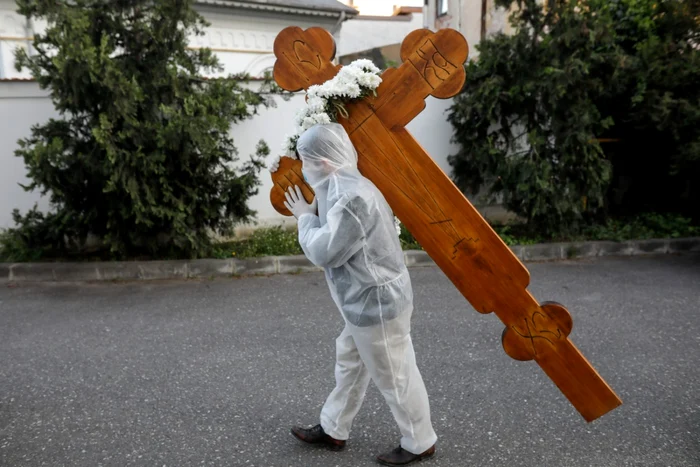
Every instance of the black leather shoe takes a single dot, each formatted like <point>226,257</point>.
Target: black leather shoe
<point>317,436</point>
<point>400,456</point>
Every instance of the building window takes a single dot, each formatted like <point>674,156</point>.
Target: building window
<point>443,7</point>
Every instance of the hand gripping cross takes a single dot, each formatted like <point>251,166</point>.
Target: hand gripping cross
<point>436,212</point>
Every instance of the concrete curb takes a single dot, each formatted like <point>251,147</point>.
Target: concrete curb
<point>210,268</point>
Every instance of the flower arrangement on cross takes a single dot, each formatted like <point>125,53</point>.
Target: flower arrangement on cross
<point>326,102</point>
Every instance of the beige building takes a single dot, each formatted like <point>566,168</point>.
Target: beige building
<point>378,37</point>
<point>475,19</point>
<point>381,7</point>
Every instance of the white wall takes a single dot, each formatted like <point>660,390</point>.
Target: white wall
<point>380,7</point>
<point>13,34</point>
<point>22,105</point>
<point>360,34</point>
<point>433,132</point>
<point>272,125</point>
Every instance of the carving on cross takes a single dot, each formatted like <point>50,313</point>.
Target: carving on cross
<point>435,211</point>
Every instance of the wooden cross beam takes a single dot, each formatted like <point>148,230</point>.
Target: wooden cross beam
<point>435,211</point>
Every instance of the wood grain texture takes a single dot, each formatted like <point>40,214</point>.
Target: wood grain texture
<point>288,175</point>
<point>441,218</point>
<point>303,58</point>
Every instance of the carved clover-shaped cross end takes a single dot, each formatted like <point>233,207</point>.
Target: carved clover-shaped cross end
<point>303,58</point>
<point>288,175</point>
<point>538,334</point>
<point>439,57</point>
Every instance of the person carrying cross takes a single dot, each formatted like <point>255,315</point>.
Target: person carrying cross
<point>349,230</point>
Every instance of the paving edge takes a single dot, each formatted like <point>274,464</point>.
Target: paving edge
<point>211,268</point>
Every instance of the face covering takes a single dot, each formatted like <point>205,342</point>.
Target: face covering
<point>325,149</point>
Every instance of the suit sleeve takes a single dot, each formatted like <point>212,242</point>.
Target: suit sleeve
<point>332,245</point>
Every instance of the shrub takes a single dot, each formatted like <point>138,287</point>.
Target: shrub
<point>537,105</point>
<point>141,157</point>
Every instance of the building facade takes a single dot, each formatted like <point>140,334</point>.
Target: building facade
<point>381,7</point>
<point>475,19</point>
<point>378,37</point>
<point>241,34</point>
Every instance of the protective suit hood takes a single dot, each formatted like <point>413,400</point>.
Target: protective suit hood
<point>324,150</point>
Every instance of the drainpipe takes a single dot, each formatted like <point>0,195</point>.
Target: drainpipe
<point>426,9</point>
<point>336,26</point>
<point>335,30</point>
<point>30,33</point>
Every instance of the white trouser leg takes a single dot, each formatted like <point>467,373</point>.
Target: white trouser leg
<point>351,381</point>
<point>387,351</point>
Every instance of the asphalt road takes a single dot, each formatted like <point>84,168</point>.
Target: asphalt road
<point>214,373</point>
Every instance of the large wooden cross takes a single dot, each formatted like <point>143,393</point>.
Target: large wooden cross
<point>435,211</point>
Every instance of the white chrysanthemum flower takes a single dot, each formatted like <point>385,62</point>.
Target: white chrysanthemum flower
<point>369,80</point>
<point>397,224</point>
<point>339,88</point>
<point>365,64</point>
<point>348,73</point>
<point>290,144</point>
<point>307,123</point>
<point>323,90</point>
<point>300,115</point>
<point>364,79</point>
<point>350,83</point>
<point>316,104</point>
<point>287,142</point>
<point>323,118</point>
<point>353,91</point>
<point>313,90</point>
<point>274,164</point>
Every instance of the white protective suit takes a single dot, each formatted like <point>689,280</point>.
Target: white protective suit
<point>354,239</point>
